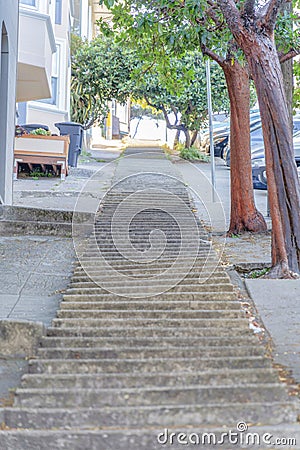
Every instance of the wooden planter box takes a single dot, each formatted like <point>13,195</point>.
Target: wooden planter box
<point>32,149</point>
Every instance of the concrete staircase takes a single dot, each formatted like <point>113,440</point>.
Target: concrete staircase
<point>115,370</point>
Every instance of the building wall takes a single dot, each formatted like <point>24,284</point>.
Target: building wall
<point>8,68</point>
<point>87,12</point>
<point>55,109</point>
<point>36,46</point>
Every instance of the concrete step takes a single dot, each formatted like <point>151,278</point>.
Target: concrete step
<point>137,250</point>
<point>150,288</point>
<point>103,234</point>
<point>140,314</point>
<point>162,342</point>
<point>166,296</point>
<point>174,213</point>
<point>112,273</point>
<point>125,332</point>
<point>100,265</point>
<point>145,323</point>
<point>126,352</point>
<point>154,416</point>
<point>195,274</point>
<point>9,227</point>
<point>172,245</point>
<point>121,380</point>
<point>159,396</point>
<point>176,265</point>
<point>145,366</point>
<point>134,439</point>
<point>102,228</point>
<point>216,281</point>
<point>169,243</point>
<point>211,268</point>
<point>146,305</point>
<point>186,261</point>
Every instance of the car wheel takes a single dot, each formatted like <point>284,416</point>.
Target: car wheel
<point>262,176</point>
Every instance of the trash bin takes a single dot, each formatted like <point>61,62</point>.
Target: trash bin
<point>75,131</point>
<point>33,126</point>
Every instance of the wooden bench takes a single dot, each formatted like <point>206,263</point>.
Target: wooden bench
<point>32,149</point>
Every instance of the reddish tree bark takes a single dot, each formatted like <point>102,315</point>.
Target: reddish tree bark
<point>253,31</point>
<point>244,216</point>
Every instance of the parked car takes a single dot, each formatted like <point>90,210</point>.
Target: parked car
<point>296,123</point>
<point>259,165</point>
<point>256,140</point>
<point>220,136</point>
<point>256,137</point>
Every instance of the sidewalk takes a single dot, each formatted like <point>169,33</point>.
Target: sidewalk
<point>276,301</point>
<point>53,193</point>
<point>36,269</point>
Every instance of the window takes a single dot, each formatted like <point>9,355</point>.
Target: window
<point>58,12</point>
<point>53,99</point>
<point>22,113</point>
<point>28,2</point>
<point>54,79</point>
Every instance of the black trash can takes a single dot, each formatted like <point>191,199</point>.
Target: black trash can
<point>75,131</point>
<point>33,126</point>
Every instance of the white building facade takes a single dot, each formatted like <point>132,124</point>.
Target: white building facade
<point>86,14</point>
<point>8,68</point>
<point>54,105</point>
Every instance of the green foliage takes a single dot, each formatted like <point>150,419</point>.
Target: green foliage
<point>192,154</point>
<point>287,30</point>
<point>107,68</point>
<point>296,97</point>
<point>162,29</point>
<point>140,108</point>
<point>37,173</point>
<point>40,132</point>
<point>180,87</point>
<point>257,273</point>
<point>100,72</point>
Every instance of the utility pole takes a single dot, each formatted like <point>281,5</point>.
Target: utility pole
<point>211,138</point>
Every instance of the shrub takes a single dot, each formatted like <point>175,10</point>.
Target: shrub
<point>193,154</point>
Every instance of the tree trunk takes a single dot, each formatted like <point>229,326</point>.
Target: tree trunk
<point>177,135</point>
<point>287,72</point>
<point>187,137</point>
<point>283,183</point>
<point>194,137</point>
<point>177,125</point>
<point>137,126</point>
<point>244,216</point>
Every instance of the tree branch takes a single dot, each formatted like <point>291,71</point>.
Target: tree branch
<point>175,112</point>
<point>283,57</point>
<point>268,14</point>
<point>176,126</point>
<point>232,16</point>
<point>249,8</point>
<point>207,51</point>
<point>163,109</point>
<point>151,104</point>
<point>212,14</point>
